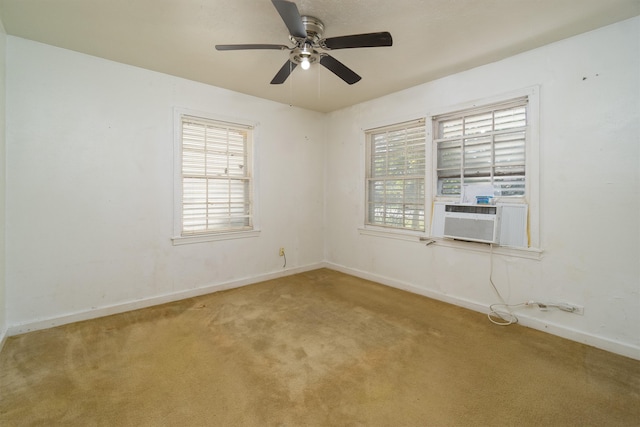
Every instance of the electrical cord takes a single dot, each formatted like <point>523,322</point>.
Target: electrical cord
<point>506,317</point>
<point>560,306</point>
<point>495,316</point>
<point>285,259</point>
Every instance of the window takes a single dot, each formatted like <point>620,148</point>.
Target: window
<point>482,146</point>
<point>395,176</point>
<point>490,142</point>
<point>215,176</point>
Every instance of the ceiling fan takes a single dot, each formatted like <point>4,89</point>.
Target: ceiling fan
<point>306,35</point>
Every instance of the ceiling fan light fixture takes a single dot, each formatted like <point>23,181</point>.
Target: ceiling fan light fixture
<point>306,33</point>
<point>304,56</point>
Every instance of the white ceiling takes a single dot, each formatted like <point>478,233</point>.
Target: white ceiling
<point>431,38</point>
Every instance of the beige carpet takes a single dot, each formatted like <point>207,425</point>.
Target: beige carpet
<point>315,349</point>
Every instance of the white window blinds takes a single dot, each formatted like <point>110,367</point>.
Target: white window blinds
<point>216,176</point>
<point>483,146</point>
<point>395,187</point>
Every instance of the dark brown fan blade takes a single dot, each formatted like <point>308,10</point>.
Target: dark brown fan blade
<point>284,72</point>
<point>251,46</point>
<point>358,40</point>
<point>339,69</point>
<point>289,13</point>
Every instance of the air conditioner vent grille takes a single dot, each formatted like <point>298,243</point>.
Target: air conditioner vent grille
<point>471,209</point>
<point>469,229</point>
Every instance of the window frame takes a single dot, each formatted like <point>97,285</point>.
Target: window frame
<point>180,238</point>
<point>532,155</point>
<point>376,228</point>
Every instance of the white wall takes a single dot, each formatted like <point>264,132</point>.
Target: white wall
<point>589,191</point>
<point>3,303</point>
<point>90,188</point>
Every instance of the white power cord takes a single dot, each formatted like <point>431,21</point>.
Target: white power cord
<point>505,317</point>
<point>546,306</point>
<point>495,316</point>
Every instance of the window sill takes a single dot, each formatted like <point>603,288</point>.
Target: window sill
<point>527,253</point>
<point>411,236</point>
<point>185,240</point>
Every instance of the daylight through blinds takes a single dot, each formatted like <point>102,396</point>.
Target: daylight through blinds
<point>396,176</point>
<point>216,180</point>
<point>483,146</point>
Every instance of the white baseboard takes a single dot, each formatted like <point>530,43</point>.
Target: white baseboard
<point>603,343</point>
<point>148,302</point>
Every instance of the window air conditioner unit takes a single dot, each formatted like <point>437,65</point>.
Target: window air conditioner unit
<point>476,223</point>
<point>504,223</point>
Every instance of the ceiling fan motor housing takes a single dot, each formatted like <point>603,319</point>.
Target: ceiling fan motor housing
<point>314,28</point>
<point>305,48</point>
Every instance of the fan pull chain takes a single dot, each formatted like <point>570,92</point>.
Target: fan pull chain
<point>290,85</point>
